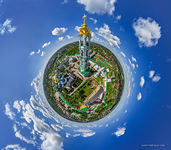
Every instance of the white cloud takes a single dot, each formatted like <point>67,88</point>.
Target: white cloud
<point>118,17</point>
<point>75,135</point>
<point>142,81</point>
<point>23,138</point>
<point>125,111</point>
<point>59,31</point>
<point>106,34</point>
<point>6,27</point>
<point>77,28</point>
<point>36,105</point>
<point>151,73</point>
<point>51,140</point>
<point>147,31</point>
<point>46,44</point>
<point>36,82</point>
<point>85,132</point>
<point>122,29</point>
<point>106,125</point>
<point>139,96</point>
<point>120,131</point>
<point>69,37</point>
<point>17,106</point>
<point>123,54</point>
<point>32,53</point>
<point>156,78</point>
<point>38,51</point>
<point>133,59</point>
<point>132,79</point>
<point>61,38</point>
<point>95,20</point>
<point>169,59</point>
<point>137,65</point>
<point>98,6</point>
<point>65,1</point>
<point>67,135</point>
<point>9,112</point>
<point>14,147</point>
<point>43,53</point>
<point>94,37</point>
<point>117,119</point>
<point>133,65</point>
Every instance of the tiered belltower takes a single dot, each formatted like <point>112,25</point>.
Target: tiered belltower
<point>84,47</point>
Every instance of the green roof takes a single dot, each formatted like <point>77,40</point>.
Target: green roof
<point>74,114</point>
<point>84,72</point>
<point>85,108</point>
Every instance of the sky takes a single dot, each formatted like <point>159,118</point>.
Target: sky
<point>137,32</point>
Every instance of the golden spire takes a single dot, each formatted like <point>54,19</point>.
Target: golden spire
<point>84,30</point>
<point>84,17</point>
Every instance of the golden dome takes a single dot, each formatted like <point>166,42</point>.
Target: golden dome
<point>84,30</point>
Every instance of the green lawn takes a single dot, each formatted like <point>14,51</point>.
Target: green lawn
<point>100,79</point>
<point>87,91</point>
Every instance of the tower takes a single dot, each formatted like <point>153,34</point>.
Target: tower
<point>84,46</point>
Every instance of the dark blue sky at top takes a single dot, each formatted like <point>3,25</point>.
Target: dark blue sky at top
<point>148,120</point>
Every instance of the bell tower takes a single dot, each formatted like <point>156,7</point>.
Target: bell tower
<point>84,46</point>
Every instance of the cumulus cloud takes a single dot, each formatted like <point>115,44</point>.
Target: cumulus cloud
<point>156,78</point>
<point>46,44</point>
<point>61,38</point>
<point>132,65</point>
<point>133,58</point>
<point>9,112</point>
<point>17,106</point>
<point>98,6</point>
<point>95,20</point>
<point>106,34</point>
<point>67,135</point>
<point>36,105</point>
<point>51,140</point>
<point>6,27</point>
<point>69,37</point>
<point>85,132</point>
<point>21,137</point>
<point>38,51</point>
<point>151,73</point>
<point>147,31</point>
<point>14,147</point>
<point>118,17</point>
<point>123,54</point>
<point>59,31</point>
<point>139,96</point>
<point>32,53</point>
<point>43,53</point>
<point>77,28</point>
<point>36,82</point>
<point>142,81</point>
<point>75,135</point>
<point>119,132</point>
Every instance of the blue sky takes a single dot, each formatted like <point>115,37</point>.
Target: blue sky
<point>137,32</point>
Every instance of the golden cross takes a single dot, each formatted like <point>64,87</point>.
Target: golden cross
<point>84,16</point>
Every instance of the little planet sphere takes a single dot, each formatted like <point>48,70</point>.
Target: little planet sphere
<point>83,81</point>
